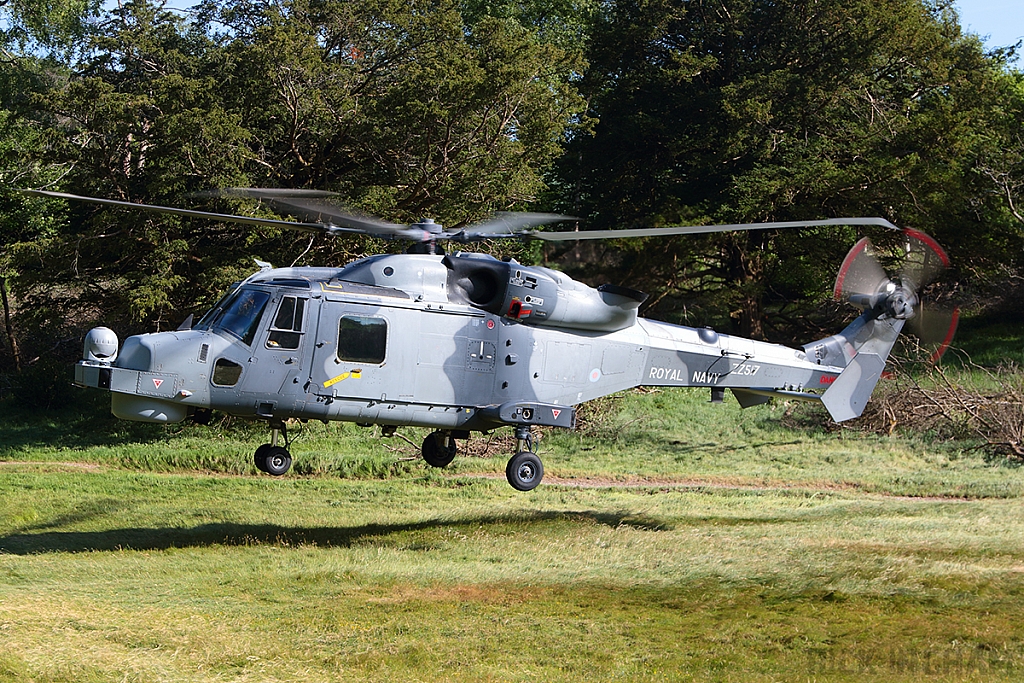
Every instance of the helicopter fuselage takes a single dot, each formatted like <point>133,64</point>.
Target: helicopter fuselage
<point>385,341</point>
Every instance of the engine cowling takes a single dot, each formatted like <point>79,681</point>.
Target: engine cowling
<point>539,296</point>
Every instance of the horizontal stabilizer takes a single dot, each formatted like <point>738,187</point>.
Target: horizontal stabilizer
<point>754,396</point>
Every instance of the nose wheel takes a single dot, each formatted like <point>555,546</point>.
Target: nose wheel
<point>272,458</point>
<point>525,469</point>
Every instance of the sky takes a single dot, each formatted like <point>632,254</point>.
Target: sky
<point>998,22</point>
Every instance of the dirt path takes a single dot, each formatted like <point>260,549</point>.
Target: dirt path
<point>724,484</point>
<point>64,464</point>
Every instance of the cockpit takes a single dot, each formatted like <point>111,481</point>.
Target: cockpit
<point>238,313</point>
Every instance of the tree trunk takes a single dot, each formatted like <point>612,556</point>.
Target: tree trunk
<point>751,314</point>
<point>746,274</point>
<point>8,327</point>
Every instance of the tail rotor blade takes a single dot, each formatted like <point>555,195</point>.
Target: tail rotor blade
<point>860,276</point>
<point>934,327</point>
<point>925,259</point>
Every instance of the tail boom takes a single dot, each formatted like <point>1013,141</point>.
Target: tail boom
<point>846,366</point>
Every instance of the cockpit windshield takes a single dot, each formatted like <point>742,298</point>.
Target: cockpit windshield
<point>238,314</point>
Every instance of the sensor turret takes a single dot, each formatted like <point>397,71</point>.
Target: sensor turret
<point>100,346</point>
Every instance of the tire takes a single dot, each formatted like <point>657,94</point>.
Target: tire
<point>524,471</point>
<point>277,460</point>
<point>437,450</point>
<point>259,458</point>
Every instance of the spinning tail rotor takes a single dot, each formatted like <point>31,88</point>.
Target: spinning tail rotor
<point>864,283</point>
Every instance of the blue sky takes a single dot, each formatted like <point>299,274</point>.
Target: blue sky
<point>998,22</point>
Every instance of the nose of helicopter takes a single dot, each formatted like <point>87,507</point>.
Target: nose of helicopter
<point>138,353</point>
<point>145,377</point>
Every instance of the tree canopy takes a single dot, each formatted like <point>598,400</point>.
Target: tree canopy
<point>752,110</point>
<point>626,113</point>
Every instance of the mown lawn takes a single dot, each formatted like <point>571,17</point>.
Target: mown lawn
<point>115,575</point>
<point>678,540</point>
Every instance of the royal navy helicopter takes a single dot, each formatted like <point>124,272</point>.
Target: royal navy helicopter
<point>461,342</point>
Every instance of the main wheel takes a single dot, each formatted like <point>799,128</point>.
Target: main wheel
<point>524,471</point>
<point>439,451</point>
<point>259,458</point>
<point>277,460</point>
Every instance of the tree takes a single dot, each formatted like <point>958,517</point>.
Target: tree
<point>54,27</point>
<point>405,110</point>
<point>749,110</point>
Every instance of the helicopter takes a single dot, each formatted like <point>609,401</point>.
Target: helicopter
<point>461,342</point>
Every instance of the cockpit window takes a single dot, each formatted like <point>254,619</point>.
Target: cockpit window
<point>286,332</point>
<point>241,314</point>
<point>207,320</point>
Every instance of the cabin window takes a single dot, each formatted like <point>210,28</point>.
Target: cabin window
<point>362,339</point>
<point>226,373</point>
<point>286,332</point>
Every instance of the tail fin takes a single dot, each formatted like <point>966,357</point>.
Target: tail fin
<point>862,349</point>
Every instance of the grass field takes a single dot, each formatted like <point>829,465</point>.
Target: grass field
<point>673,540</point>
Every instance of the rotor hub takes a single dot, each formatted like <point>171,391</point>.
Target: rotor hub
<point>901,303</point>
<point>428,226</point>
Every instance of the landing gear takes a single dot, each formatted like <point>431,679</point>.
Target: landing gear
<point>277,461</point>
<point>270,457</point>
<point>524,470</point>
<point>439,449</point>
<point>259,458</point>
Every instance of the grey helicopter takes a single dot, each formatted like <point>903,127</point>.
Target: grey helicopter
<point>461,342</point>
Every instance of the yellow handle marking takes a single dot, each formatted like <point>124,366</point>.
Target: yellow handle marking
<point>354,374</point>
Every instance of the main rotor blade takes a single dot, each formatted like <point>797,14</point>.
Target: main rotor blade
<point>320,206</point>
<point>314,209</point>
<point>697,229</point>
<point>266,192</point>
<point>226,217</point>
<point>506,224</point>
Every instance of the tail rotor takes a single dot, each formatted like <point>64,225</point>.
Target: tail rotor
<point>909,296</point>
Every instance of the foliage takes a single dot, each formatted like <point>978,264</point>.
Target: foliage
<point>986,406</point>
<point>403,109</point>
<point>786,111</point>
<point>627,113</point>
<point>52,26</point>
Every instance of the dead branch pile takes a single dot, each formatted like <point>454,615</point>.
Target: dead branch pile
<point>984,405</point>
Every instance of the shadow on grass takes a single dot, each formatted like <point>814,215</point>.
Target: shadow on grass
<point>228,534</point>
<point>683,447</point>
<point>88,423</point>
<point>85,424</point>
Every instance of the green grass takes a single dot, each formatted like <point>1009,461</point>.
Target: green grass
<point>667,435</point>
<point>673,540</point>
<point>993,340</point>
<point>115,575</point>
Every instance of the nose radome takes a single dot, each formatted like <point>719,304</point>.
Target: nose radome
<point>138,353</point>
